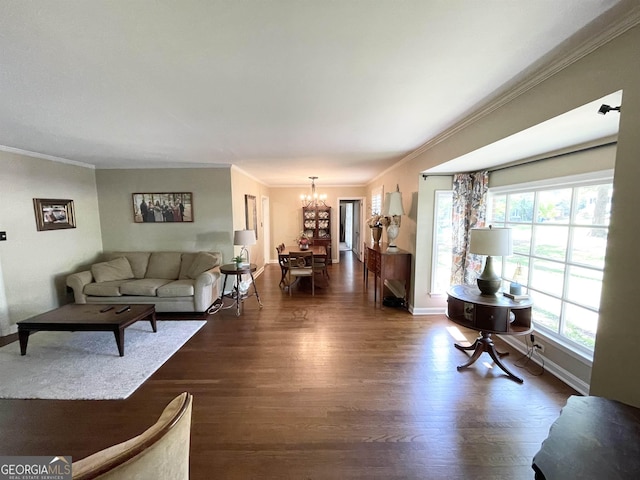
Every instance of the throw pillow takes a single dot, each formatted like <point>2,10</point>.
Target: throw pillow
<point>116,269</point>
<point>164,265</point>
<point>204,261</point>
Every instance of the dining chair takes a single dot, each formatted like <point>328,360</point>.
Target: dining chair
<point>283,261</point>
<point>320,265</point>
<point>301,265</point>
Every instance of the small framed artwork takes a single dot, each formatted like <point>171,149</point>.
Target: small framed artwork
<point>251,214</point>
<point>54,214</point>
<point>162,207</point>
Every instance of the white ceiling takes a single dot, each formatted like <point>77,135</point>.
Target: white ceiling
<point>283,89</point>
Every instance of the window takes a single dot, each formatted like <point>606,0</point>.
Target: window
<point>442,242</point>
<point>376,201</point>
<point>559,240</point>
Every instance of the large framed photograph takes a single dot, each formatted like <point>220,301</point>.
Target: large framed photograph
<point>251,214</point>
<point>162,207</point>
<point>54,213</point>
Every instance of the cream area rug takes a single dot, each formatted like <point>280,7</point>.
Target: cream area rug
<point>86,365</point>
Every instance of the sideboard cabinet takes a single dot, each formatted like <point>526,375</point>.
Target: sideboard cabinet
<point>390,268</point>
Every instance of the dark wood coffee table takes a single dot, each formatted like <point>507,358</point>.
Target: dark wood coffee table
<point>87,318</point>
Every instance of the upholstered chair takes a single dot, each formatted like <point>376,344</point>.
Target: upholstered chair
<point>161,452</point>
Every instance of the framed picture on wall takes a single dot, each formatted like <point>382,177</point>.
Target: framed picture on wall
<point>54,214</point>
<point>162,207</point>
<point>251,214</point>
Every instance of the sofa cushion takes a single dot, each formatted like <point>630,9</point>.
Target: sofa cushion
<point>138,261</point>
<point>177,288</point>
<point>145,286</point>
<point>104,289</point>
<point>201,263</point>
<point>164,265</point>
<point>185,265</point>
<point>116,269</point>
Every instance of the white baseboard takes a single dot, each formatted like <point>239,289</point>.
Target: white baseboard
<point>429,311</point>
<point>554,369</point>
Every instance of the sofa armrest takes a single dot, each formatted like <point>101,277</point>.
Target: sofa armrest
<point>205,289</point>
<point>77,281</point>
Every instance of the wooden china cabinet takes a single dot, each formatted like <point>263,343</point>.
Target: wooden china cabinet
<point>316,222</point>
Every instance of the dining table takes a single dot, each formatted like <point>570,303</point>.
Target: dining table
<point>318,250</point>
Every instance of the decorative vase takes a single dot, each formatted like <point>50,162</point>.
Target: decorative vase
<point>376,233</point>
<point>304,246</point>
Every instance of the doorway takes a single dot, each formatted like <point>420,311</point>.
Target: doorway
<point>350,226</point>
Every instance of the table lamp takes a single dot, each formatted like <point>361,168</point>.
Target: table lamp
<point>244,238</point>
<point>491,242</point>
<point>393,209</point>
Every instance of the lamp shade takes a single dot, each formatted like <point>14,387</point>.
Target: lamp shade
<point>244,237</point>
<point>393,204</point>
<point>491,241</point>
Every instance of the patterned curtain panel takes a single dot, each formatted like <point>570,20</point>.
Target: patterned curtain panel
<point>469,211</point>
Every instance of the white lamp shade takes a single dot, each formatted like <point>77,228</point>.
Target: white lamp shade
<point>491,241</point>
<point>244,237</point>
<point>393,204</point>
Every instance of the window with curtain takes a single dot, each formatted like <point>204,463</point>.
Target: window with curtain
<point>559,239</point>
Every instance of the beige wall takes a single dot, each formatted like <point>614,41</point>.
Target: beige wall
<point>608,69</point>
<point>241,185</point>
<point>211,230</point>
<point>286,213</point>
<point>585,161</point>
<point>35,264</point>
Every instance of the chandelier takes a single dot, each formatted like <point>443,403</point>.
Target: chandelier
<point>314,199</point>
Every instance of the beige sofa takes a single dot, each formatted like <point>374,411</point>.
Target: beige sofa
<point>173,281</point>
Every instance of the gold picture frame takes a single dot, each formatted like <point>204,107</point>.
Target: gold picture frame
<point>54,213</point>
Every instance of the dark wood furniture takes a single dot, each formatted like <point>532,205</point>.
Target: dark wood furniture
<point>318,250</point>
<point>316,222</point>
<point>283,261</point>
<point>236,295</point>
<point>301,266</point>
<point>392,268</point>
<point>320,261</point>
<point>87,318</point>
<point>593,439</point>
<point>488,314</point>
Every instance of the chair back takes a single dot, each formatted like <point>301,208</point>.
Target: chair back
<point>283,260</point>
<point>161,452</point>
<point>300,263</point>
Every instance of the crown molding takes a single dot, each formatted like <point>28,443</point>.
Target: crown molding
<point>613,29</point>
<point>44,156</point>
<point>244,172</point>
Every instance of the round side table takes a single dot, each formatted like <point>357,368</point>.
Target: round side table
<point>235,294</point>
<point>488,314</point>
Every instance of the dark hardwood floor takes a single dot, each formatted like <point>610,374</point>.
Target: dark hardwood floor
<point>324,387</point>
